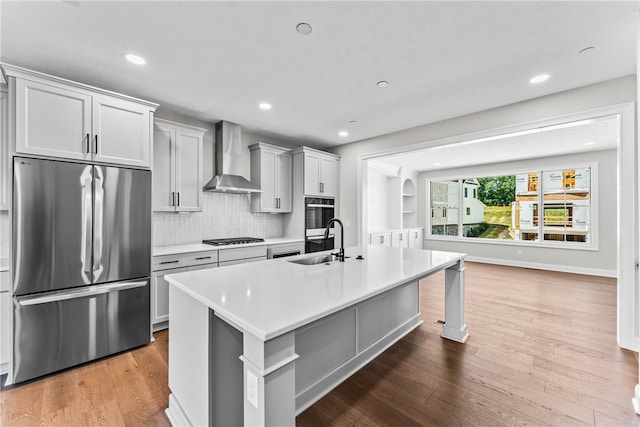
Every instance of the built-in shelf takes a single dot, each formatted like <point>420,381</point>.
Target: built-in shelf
<point>409,218</point>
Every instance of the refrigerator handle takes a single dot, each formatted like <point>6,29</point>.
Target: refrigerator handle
<point>98,193</point>
<point>88,291</point>
<point>85,254</point>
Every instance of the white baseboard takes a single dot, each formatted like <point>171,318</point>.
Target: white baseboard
<point>551,267</point>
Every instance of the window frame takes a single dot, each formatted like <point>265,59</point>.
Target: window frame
<point>592,245</point>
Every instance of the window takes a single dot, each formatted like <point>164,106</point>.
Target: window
<point>507,207</point>
<point>444,208</point>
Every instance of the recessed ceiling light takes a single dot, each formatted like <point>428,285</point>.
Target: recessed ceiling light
<point>135,59</point>
<point>304,28</point>
<point>539,79</point>
<point>343,133</point>
<point>264,106</point>
<point>382,83</point>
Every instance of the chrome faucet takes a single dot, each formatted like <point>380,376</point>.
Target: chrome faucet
<point>326,236</point>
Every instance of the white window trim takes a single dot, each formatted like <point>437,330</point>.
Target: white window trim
<point>594,223</point>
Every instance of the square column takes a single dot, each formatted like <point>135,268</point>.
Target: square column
<point>269,380</point>
<point>454,327</point>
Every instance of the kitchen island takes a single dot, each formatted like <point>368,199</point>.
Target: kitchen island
<point>258,344</point>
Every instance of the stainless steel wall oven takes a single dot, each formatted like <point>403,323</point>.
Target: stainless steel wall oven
<point>318,212</point>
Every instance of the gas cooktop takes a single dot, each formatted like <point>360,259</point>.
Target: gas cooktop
<point>232,241</point>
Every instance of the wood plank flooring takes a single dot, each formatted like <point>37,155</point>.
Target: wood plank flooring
<point>542,351</point>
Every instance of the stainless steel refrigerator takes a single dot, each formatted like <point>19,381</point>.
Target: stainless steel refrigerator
<point>81,236</point>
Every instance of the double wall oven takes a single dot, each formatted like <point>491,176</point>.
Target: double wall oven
<point>318,212</point>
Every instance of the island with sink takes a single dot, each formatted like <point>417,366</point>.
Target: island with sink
<point>257,344</point>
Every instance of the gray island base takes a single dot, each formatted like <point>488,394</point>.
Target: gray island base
<point>257,344</point>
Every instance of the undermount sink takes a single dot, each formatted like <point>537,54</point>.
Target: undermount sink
<point>313,260</point>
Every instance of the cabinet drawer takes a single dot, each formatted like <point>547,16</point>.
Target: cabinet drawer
<point>242,253</point>
<point>165,262</point>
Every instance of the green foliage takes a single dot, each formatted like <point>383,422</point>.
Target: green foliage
<point>477,230</point>
<point>497,190</point>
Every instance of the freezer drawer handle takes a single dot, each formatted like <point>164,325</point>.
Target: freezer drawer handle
<point>85,292</point>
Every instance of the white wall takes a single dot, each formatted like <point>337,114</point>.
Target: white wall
<point>602,261</point>
<point>598,95</point>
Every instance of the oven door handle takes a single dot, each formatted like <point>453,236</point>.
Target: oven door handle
<point>320,206</point>
<point>331,236</point>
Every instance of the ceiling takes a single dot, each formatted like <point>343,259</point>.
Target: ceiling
<point>216,60</point>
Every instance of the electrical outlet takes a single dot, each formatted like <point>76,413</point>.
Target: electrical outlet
<point>252,388</point>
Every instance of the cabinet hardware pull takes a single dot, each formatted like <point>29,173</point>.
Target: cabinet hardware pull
<point>381,239</point>
<point>95,148</point>
<point>416,235</point>
<point>88,144</point>
<point>173,199</point>
<point>400,237</point>
<point>178,199</point>
<point>169,262</point>
<point>202,257</point>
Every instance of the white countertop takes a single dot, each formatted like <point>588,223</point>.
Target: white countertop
<point>270,298</point>
<point>200,247</point>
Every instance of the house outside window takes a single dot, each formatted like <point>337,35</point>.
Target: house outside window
<point>507,207</point>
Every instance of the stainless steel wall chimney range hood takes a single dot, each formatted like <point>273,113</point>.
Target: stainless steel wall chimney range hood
<point>229,162</point>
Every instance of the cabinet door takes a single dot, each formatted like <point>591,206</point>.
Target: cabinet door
<point>160,295</point>
<point>188,163</point>
<point>415,238</point>
<point>5,330</point>
<point>285,183</point>
<point>269,178</point>
<point>312,175</point>
<point>328,182</point>
<point>52,120</point>
<point>382,239</point>
<point>163,167</point>
<point>400,239</point>
<point>5,178</point>
<point>121,132</point>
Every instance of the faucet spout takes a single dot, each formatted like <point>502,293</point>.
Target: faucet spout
<point>326,235</point>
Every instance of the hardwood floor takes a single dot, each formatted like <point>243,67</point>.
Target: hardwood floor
<point>542,351</point>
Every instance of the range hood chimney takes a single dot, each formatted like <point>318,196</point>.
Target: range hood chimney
<point>229,162</point>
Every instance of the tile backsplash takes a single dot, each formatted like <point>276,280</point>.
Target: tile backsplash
<point>223,215</point>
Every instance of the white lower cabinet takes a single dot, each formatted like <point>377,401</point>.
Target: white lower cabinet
<point>416,236</point>
<point>407,238</point>
<point>5,330</point>
<point>191,261</point>
<point>400,238</point>
<point>382,239</point>
<point>172,264</point>
<point>160,297</point>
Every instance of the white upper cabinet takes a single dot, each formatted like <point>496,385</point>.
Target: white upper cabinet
<point>59,118</point>
<point>177,167</point>
<point>121,132</point>
<point>271,169</point>
<point>52,121</point>
<point>5,170</point>
<point>321,171</point>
